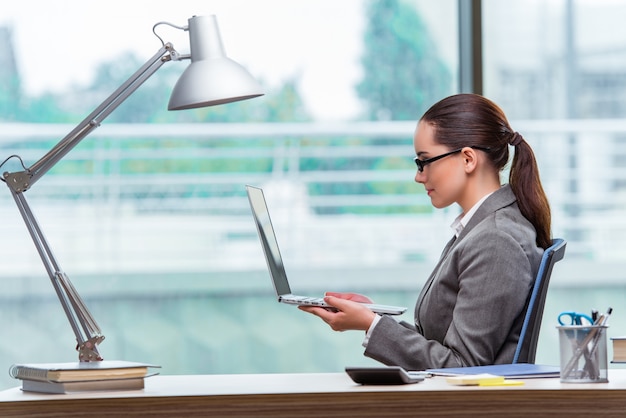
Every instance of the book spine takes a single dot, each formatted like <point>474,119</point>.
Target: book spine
<point>44,387</point>
<point>28,373</point>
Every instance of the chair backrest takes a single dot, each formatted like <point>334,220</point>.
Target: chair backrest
<point>527,345</point>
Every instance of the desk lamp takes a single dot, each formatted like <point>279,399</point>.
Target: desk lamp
<point>210,79</point>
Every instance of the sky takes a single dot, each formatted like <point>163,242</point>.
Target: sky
<point>59,43</point>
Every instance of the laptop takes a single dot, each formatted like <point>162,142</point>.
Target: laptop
<point>275,263</point>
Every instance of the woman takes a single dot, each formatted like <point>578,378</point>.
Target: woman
<point>471,308</point>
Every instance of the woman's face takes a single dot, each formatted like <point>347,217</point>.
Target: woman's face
<point>444,179</point>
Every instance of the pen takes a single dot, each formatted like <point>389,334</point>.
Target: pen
<point>606,316</point>
<point>601,321</point>
<point>594,372</point>
<point>592,367</point>
<point>594,315</point>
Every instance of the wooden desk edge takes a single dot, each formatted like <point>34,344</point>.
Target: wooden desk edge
<point>343,398</point>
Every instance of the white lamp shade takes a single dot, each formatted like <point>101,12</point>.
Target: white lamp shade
<point>212,78</point>
<point>213,82</point>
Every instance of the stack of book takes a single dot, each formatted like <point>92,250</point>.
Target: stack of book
<point>619,349</point>
<point>81,376</point>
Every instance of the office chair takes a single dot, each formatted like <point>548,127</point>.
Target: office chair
<point>527,345</point>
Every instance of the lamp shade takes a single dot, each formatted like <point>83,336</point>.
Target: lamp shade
<point>212,78</point>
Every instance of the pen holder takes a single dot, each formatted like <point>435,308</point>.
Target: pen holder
<point>583,353</point>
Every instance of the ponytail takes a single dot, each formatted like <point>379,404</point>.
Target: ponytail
<point>531,198</point>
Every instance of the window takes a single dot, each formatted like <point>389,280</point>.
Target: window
<point>148,216</point>
<point>559,75</point>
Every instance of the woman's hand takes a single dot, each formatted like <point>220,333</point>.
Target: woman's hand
<point>350,315</point>
<point>350,296</point>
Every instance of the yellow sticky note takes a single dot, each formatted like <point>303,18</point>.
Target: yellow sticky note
<point>475,379</point>
<point>503,383</point>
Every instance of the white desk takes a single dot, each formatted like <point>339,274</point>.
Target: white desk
<point>324,394</point>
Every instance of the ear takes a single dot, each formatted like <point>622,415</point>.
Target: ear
<point>470,159</point>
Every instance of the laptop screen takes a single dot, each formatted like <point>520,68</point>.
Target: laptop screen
<point>268,240</point>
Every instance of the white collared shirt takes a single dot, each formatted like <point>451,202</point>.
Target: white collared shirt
<point>463,219</point>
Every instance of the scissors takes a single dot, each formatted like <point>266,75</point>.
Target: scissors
<point>574,318</point>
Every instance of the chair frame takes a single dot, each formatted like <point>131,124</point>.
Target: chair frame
<point>529,335</point>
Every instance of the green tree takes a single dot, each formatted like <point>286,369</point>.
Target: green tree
<point>403,74</point>
<point>10,102</point>
<point>10,83</point>
<point>148,104</point>
<point>47,108</point>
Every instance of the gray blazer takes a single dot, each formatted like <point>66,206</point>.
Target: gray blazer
<point>471,309</point>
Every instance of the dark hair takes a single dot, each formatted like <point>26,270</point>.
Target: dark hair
<point>466,120</point>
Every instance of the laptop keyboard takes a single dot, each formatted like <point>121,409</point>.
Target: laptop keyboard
<point>308,300</point>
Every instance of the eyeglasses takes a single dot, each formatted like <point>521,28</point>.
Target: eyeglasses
<point>423,163</point>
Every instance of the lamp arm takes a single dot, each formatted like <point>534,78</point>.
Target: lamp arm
<point>86,330</point>
<point>22,181</point>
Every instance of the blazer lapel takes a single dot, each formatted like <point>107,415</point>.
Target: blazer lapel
<point>500,198</point>
<point>433,275</point>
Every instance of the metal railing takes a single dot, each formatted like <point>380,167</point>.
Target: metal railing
<point>125,179</point>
